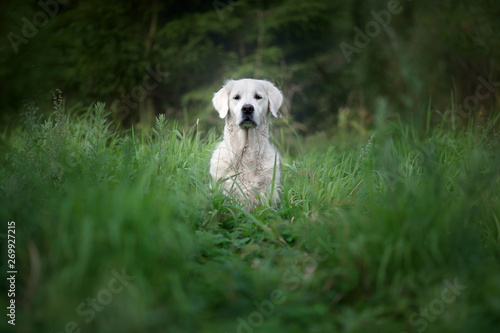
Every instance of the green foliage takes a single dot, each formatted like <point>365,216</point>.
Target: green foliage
<point>367,233</point>
<point>94,50</point>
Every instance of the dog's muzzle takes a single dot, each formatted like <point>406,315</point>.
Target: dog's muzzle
<point>247,122</point>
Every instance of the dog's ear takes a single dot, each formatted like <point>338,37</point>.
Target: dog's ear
<point>275,98</point>
<point>221,99</point>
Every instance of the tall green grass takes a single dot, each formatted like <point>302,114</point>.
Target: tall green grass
<point>366,237</point>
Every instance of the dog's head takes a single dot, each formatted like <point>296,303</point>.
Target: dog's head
<point>247,102</point>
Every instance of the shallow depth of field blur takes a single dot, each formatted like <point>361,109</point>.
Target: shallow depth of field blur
<point>390,144</point>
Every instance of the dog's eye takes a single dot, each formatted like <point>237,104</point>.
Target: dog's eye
<point>236,97</point>
<point>257,96</point>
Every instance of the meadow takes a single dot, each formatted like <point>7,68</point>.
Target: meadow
<point>393,230</point>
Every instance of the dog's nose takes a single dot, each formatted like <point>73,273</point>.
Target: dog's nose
<point>247,109</point>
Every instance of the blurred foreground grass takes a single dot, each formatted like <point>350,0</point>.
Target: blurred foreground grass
<point>121,233</point>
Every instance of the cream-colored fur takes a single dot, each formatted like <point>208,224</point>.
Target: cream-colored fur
<point>245,162</point>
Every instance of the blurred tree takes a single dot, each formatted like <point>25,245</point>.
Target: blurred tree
<point>149,56</point>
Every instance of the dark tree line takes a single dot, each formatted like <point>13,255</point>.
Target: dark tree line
<point>145,57</point>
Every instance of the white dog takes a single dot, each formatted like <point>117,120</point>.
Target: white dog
<point>245,162</point>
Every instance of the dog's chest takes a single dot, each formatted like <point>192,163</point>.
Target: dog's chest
<point>248,160</point>
<point>254,168</point>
